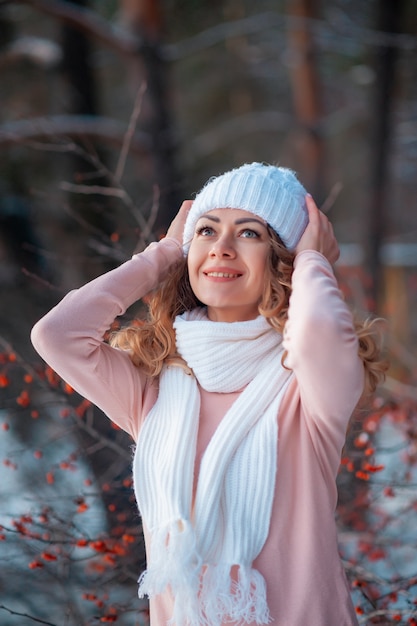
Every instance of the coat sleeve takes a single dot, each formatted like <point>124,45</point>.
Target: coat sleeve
<point>322,348</point>
<point>70,338</point>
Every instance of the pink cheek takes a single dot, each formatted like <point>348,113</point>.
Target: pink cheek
<point>194,259</point>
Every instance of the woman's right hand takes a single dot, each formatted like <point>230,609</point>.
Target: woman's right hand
<point>176,229</point>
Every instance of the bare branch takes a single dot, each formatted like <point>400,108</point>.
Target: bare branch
<point>234,128</point>
<point>41,281</point>
<point>387,613</point>
<point>99,128</point>
<point>109,251</point>
<point>92,189</point>
<point>108,191</point>
<point>64,126</point>
<point>34,619</point>
<point>61,400</point>
<point>221,32</point>
<point>331,198</point>
<point>146,233</point>
<point>105,441</point>
<point>399,390</point>
<point>129,133</point>
<point>87,21</point>
<point>115,190</point>
<point>127,44</point>
<point>363,573</point>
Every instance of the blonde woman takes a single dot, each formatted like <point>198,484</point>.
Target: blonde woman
<point>238,390</point>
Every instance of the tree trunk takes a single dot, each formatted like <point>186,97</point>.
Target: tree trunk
<point>76,65</point>
<point>306,94</point>
<point>388,21</point>
<point>144,18</point>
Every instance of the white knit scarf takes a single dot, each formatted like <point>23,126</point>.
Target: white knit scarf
<point>194,545</point>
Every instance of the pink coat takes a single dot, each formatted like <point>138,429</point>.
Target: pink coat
<point>306,584</point>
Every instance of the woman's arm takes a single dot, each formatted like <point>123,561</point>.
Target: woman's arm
<point>319,335</point>
<point>70,337</point>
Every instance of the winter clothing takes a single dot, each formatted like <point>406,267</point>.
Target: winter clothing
<point>272,193</point>
<point>299,561</point>
<point>236,480</point>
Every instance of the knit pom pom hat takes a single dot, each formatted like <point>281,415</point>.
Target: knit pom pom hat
<point>270,192</point>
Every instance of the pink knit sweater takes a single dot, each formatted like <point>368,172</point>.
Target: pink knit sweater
<point>306,584</point>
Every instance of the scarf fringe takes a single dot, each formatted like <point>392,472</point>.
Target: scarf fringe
<point>250,592</point>
<point>175,561</point>
<point>204,595</point>
<point>222,600</point>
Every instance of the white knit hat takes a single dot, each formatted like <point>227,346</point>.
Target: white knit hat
<point>272,193</point>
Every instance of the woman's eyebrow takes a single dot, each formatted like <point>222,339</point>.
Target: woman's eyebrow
<point>207,216</point>
<point>242,220</point>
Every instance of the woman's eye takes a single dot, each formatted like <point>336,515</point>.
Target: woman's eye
<point>205,231</point>
<point>249,233</point>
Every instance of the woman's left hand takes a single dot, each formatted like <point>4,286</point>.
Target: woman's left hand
<point>318,234</point>
<point>176,228</point>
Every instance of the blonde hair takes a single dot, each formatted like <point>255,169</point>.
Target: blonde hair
<point>152,342</point>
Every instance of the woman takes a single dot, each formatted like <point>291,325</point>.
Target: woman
<point>238,390</point>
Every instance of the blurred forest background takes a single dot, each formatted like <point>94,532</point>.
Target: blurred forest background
<point>111,113</point>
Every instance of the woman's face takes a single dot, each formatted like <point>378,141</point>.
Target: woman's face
<point>226,263</point>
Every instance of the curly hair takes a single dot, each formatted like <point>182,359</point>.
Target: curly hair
<point>151,343</point>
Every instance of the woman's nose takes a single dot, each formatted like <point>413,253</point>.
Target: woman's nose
<point>223,247</point>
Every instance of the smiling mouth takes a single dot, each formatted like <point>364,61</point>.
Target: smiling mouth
<point>222,275</point>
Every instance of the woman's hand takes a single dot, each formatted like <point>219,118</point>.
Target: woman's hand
<point>318,234</point>
<point>176,229</point>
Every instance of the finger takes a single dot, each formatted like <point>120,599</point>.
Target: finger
<point>186,206</point>
<point>325,224</point>
<point>311,205</point>
<point>312,209</point>
<point>176,227</point>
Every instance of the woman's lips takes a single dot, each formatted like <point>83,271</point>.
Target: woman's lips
<point>222,275</point>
